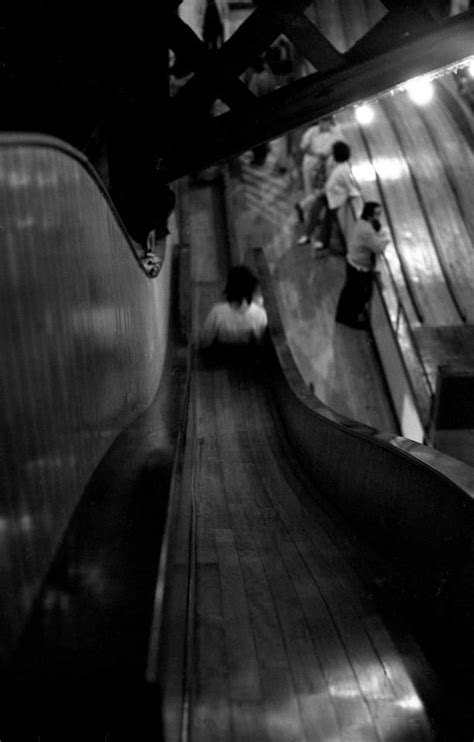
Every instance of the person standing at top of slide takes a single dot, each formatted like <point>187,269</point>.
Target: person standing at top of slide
<point>316,145</point>
<point>341,191</point>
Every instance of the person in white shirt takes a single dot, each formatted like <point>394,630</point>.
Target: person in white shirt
<point>340,191</point>
<point>316,144</point>
<point>368,240</point>
<point>240,319</point>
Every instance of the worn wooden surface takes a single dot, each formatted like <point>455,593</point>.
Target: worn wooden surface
<point>289,643</point>
<point>289,640</point>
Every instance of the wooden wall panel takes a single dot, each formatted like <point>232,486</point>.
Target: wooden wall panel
<point>84,334</point>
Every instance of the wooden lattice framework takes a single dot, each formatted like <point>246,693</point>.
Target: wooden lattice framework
<point>411,39</point>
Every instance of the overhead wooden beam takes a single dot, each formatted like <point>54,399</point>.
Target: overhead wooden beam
<point>186,44</point>
<point>248,42</point>
<point>319,94</point>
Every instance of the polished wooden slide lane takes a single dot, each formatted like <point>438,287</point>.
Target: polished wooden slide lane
<point>453,134</point>
<point>437,196</point>
<point>289,642</point>
<point>410,229</point>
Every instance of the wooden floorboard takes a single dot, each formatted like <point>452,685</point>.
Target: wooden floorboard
<point>334,634</point>
<point>459,159</point>
<point>244,680</point>
<point>358,568</point>
<point>283,642</point>
<point>210,706</point>
<point>288,642</point>
<point>450,237</point>
<point>289,620</point>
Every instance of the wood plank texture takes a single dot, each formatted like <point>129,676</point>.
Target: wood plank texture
<point>454,148</point>
<point>438,200</point>
<point>289,642</point>
<point>290,618</point>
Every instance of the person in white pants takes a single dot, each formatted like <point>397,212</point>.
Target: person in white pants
<point>316,144</point>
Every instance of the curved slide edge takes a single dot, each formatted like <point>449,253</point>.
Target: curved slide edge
<point>414,504</point>
<point>84,342</point>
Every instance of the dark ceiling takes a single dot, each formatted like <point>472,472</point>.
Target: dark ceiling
<point>405,40</point>
<point>102,83</point>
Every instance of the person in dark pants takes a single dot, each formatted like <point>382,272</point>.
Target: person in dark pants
<point>339,191</point>
<point>368,240</point>
<point>316,144</point>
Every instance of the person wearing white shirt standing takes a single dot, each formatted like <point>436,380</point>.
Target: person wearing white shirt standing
<point>316,144</point>
<point>341,191</point>
<point>368,240</point>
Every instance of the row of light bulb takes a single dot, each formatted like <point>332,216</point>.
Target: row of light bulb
<point>420,90</point>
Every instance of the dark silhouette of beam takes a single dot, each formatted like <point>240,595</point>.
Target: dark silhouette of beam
<point>218,139</point>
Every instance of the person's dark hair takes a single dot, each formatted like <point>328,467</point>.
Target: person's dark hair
<point>341,151</point>
<point>241,284</point>
<point>368,210</point>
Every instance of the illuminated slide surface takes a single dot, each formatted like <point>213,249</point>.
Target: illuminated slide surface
<point>287,634</point>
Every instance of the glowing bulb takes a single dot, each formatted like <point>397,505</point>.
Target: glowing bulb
<point>420,90</point>
<point>364,114</point>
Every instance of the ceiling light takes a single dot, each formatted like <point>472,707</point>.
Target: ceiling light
<point>420,90</point>
<point>364,114</point>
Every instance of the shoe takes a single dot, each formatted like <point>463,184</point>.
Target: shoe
<point>299,211</point>
<point>303,240</point>
<point>317,245</point>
